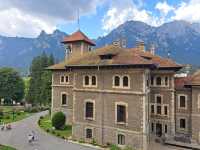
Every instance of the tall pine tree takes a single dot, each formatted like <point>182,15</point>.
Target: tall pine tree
<point>39,92</point>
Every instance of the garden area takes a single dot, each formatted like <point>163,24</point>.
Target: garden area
<point>2,147</point>
<point>56,126</point>
<point>9,114</point>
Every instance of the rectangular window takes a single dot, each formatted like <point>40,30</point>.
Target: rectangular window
<point>166,110</point>
<point>121,139</point>
<point>64,99</point>
<point>152,109</point>
<point>152,127</point>
<point>166,81</point>
<point>158,99</point>
<point>62,79</point>
<point>86,80</point>
<point>182,123</point>
<point>158,81</point>
<point>165,128</point>
<point>66,79</point>
<point>152,80</point>
<point>158,109</point>
<point>121,113</point>
<point>88,133</point>
<point>89,110</point>
<point>182,101</point>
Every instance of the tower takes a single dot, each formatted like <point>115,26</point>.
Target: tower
<point>77,44</point>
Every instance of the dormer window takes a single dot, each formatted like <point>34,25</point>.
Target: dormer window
<point>106,56</point>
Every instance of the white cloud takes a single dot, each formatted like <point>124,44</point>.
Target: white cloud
<point>164,7</point>
<point>121,11</point>
<point>16,23</point>
<point>188,11</point>
<point>28,17</point>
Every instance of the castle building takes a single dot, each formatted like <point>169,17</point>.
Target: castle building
<point>124,96</point>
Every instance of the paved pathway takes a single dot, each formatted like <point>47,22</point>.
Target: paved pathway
<point>17,137</point>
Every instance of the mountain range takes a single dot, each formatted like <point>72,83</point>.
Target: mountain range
<point>179,40</point>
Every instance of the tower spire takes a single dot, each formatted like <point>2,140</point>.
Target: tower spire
<point>78,20</point>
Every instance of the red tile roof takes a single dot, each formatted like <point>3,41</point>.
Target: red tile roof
<point>78,36</point>
<point>121,56</point>
<point>180,82</point>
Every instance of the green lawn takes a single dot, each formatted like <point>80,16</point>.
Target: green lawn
<point>45,124</point>
<point>8,116</point>
<point>2,147</point>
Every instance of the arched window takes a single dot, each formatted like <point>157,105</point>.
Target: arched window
<point>158,81</point>
<point>87,80</point>
<point>94,80</point>
<point>125,81</point>
<point>89,110</point>
<point>64,99</point>
<point>116,81</point>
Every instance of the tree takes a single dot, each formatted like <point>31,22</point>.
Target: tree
<point>40,83</point>
<point>11,85</point>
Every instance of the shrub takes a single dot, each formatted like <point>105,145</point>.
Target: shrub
<point>47,130</point>
<point>81,141</point>
<point>58,120</point>
<point>94,142</point>
<point>1,114</point>
<point>53,132</point>
<point>57,134</point>
<point>7,117</point>
<point>114,147</point>
<point>41,117</point>
<point>18,113</point>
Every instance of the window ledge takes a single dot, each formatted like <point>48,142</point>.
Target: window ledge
<point>64,105</point>
<point>121,123</point>
<point>120,87</point>
<point>89,119</point>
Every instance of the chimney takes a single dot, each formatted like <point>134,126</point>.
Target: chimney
<point>120,43</point>
<point>152,49</point>
<point>140,45</point>
<point>116,43</point>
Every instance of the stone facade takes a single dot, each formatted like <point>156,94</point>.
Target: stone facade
<point>150,99</point>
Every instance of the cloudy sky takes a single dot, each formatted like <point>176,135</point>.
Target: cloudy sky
<point>26,18</point>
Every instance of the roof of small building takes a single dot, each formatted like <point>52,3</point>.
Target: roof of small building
<point>191,80</point>
<point>120,57</point>
<point>77,36</point>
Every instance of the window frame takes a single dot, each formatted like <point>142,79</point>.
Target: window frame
<point>64,76</point>
<point>90,128</point>
<point>121,83</point>
<point>90,81</point>
<point>116,112</point>
<point>94,109</point>
<point>158,104</point>
<point>152,105</point>
<point>160,81</point>
<point>166,106</point>
<point>180,123</point>
<point>96,81</point>
<point>121,144</point>
<point>179,101</point>
<point>125,87</point>
<point>62,93</point>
